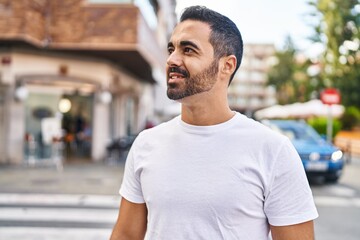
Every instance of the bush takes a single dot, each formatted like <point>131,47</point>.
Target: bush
<point>320,125</point>
<point>351,118</point>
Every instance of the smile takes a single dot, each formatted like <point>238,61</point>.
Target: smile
<point>176,76</point>
<point>173,77</point>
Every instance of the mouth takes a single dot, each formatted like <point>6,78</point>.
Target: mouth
<point>176,75</point>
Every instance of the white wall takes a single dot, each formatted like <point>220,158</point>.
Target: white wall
<point>32,63</point>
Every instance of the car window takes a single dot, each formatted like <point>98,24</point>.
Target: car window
<point>300,133</point>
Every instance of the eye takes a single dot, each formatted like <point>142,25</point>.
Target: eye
<point>188,50</point>
<point>170,50</point>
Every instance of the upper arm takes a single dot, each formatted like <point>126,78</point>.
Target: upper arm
<point>131,222</point>
<point>288,196</point>
<point>301,231</point>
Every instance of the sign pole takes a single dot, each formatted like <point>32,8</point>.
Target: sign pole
<point>330,96</point>
<point>329,125</point>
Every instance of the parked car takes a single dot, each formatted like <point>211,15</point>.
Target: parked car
<point>118,149</point>
<point>319,157</point>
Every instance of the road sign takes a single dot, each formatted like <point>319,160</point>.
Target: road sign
<point>330,96</point>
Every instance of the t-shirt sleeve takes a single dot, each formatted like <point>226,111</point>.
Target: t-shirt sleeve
<point>289,199</point>
<point>131,186</point>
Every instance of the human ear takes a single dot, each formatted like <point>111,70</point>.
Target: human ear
<point>228,65</point>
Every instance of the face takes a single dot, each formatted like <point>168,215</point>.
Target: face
<point>191,66</point>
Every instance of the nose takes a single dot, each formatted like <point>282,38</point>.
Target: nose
<point>174,59</point>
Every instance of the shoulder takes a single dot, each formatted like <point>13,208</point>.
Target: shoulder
<point>157,132</point>
<point>256,131</point>
<point>263,143</point>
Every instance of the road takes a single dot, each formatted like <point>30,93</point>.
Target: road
<point>339,206</point>
<point>57,217</point>
<point>50,216</point>
<point>43,203</point>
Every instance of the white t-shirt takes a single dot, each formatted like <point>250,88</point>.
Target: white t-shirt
<point>226,181</point>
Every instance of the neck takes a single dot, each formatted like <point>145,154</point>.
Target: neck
<point>206,112</point>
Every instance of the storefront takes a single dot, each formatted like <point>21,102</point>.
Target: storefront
<point>55,106</point>
<point>58,112</point>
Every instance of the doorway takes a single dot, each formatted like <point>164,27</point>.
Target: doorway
<point>77,125</point>
<point>74,125</point>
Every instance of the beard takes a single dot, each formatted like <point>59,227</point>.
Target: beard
<point>199,83</point>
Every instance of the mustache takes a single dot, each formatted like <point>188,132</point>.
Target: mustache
<point>179,70</point>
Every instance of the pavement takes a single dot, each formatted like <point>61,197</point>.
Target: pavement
<point>81,201</point>
<point>73,178</point>
<point>46,202</point>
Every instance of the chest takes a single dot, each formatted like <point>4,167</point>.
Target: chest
<point>199,180</point>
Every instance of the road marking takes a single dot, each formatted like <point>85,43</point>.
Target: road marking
<point>60,199</point>
<point>329,201</point>
<point>61,214</point>
<point>28,233</point>
<point>57,217</point>
<point>342,191</point>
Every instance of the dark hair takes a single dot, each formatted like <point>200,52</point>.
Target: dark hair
<point>225,37</point>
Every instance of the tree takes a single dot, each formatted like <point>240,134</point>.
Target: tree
<point>338,30</point>
<point>281,73</point>
<point>289,75</point>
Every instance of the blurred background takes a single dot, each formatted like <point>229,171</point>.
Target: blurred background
<point>79,79</point>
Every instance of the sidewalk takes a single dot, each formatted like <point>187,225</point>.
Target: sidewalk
<point>75,178</point>
<point>349,141</point>
<point>79,178</point>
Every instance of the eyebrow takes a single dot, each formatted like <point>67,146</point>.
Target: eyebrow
<point>185,43</point>
<point>189,43</point>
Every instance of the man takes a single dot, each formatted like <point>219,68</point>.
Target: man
<point>211,173</point>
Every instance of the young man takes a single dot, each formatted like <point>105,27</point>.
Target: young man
<point>211,173</point>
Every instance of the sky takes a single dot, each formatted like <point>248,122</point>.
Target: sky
<point>265,21</point>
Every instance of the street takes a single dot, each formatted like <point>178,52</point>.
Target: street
<point>82,203</point>
<point>43,203</point>
<point>339,206</point>
<point>60,217</point>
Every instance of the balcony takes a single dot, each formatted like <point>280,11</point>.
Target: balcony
<point>115,32</point>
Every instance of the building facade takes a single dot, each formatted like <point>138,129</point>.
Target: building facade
<point>248,91</point>
<point>79,71</point>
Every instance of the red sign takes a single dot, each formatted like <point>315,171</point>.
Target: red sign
<point>330,96</point>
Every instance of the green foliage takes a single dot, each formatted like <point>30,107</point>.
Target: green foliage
<point>289,76</point>
<point>338,29</point>
<point>351,118</point>
<point>336,25</point>
<point>320,125</point>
